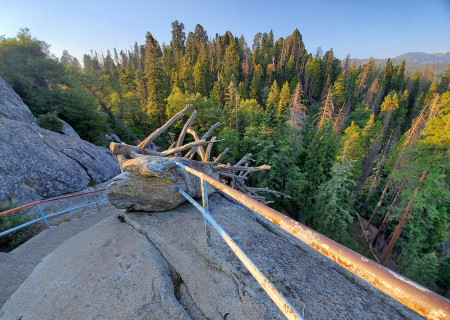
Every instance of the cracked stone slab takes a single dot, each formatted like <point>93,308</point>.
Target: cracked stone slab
<point>218,283</point>
<point>108,271</point>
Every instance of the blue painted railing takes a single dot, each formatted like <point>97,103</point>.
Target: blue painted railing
<point>44,217</point>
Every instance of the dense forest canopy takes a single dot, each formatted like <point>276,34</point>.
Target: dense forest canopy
<point>342,140</point>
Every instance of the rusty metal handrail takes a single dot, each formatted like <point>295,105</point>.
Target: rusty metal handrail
<point>48,200</point>
<point>414,296</point>
<point>44,217</point>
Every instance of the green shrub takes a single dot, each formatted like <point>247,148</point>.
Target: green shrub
<point>50,121</point>
<point>14,239</point>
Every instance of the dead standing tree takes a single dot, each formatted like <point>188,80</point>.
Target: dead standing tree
<point>234,176</point>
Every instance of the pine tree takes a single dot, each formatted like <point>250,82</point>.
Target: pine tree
<point>219,92</point>
<point>283,104</point>
<point>232,104</point>
<point>326,111</point>
<point>425,271</point>
<point>290,69</point>
<point>370,132</point>
<point>339,91</point>
<point>232,63</point>
<point>352,145</point>
<point>297,108</point>
<point>390,103</point>
<point>242,91</point>
<point>444,84</point>
<point>430,93</point>
<point>399,77</point>
<point>443,278</point>
<point>372,93</point>
<point>178,37</point>
<point>270,116</point>
<point>201,77</point>
<point>332,218</point>
<point>320,158</point>
<point>255,89</point>
<point>317,77</point>
<point>155,81</point>
<point>293,85</point>
<point>436,138</point>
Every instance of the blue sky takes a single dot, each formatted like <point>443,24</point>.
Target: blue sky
<point>362,28</point>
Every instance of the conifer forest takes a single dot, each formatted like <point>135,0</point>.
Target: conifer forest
<point>351,147</point>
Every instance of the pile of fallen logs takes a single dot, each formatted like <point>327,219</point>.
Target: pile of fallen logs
<point>233,175</point>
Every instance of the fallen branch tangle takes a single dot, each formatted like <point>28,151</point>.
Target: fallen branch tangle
<point>233,175</point>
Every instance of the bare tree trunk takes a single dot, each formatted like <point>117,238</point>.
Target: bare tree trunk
<point>413,134</point>
<point>380,229</point>
<point>401,223</point>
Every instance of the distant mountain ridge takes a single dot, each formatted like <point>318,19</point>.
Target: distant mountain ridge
<point>422,57</point>
<point>415,61</point>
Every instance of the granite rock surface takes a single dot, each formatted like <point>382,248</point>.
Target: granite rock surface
<point>158,266</point>
<point>36,163</point>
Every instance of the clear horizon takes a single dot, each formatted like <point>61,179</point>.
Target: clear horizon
<point>381,30</point>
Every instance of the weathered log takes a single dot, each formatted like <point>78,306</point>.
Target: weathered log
<point>259,198</point>
<point>125,149</point>
<point>185,128</point>
<point>247,157</point>
<point>209,148</point>
<point>172,145</point>
<point>134,155</point>
<point>242,172</point>
<point>231,175</point>
<point>242,168</point>
<point>224,152</point>
<point>244,188</point>
<point>160,130</point>
<point>277,193</point>
<point>206,135</point>
<point>197,143</point>
<point>191,153</point>
<point>200,150</point>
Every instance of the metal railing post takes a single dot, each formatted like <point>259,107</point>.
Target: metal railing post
<point>43,216</point>
<point>96,202</point>
<point>204,186</point>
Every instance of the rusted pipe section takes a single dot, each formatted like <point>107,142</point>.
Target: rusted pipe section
<point>421,300</point>
<point>281,302</point>
<point>48,200</point>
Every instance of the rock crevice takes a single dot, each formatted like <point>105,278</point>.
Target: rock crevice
<point>181,291</point>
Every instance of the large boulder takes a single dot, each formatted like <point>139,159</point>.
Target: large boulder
<point>36,163</point>
<point>12,106</point>
<point>151,183</point>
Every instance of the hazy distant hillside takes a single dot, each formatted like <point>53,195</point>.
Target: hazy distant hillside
<point>422,57</point>
<point>439,67</point>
